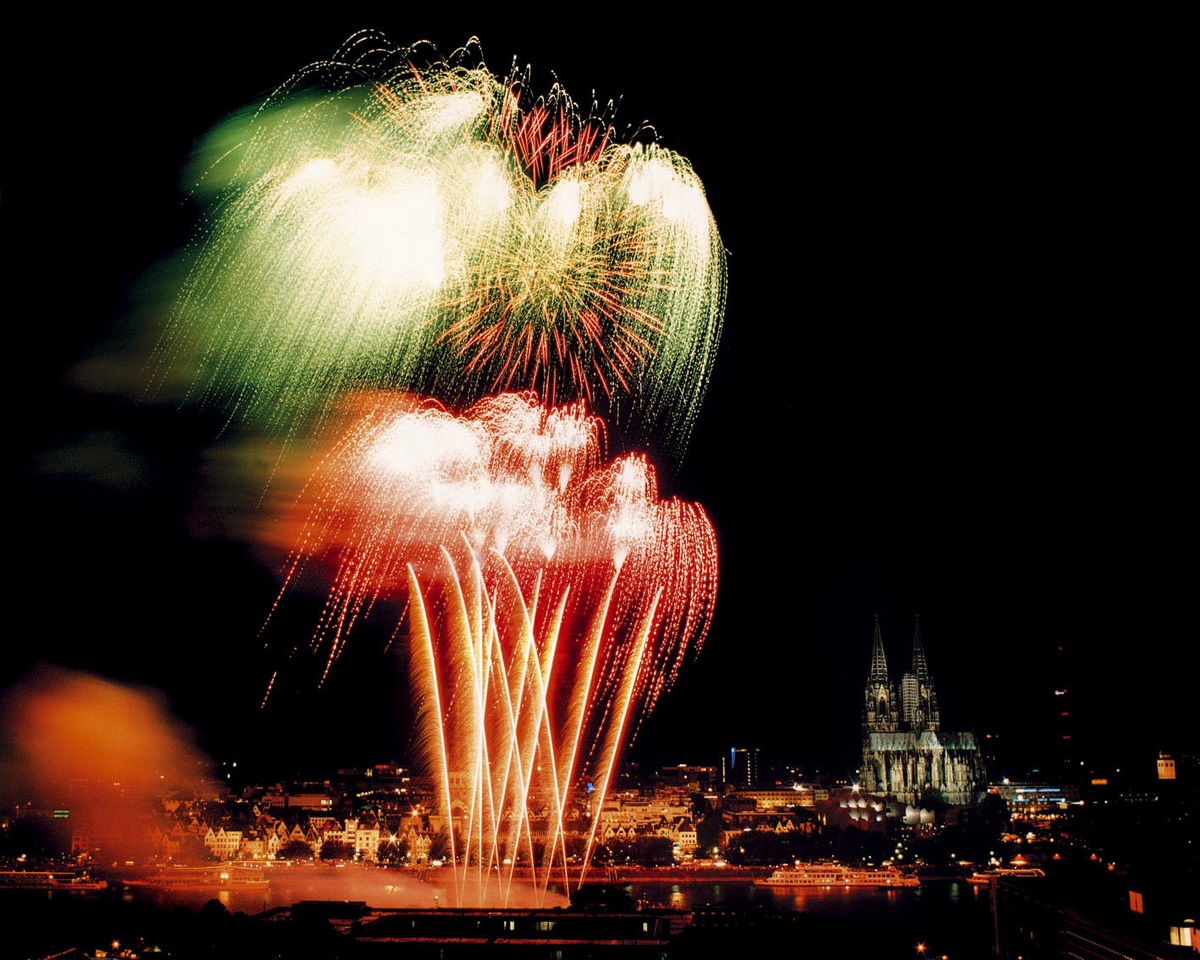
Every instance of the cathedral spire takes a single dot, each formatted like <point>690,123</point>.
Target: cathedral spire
<point>927,714</point>
<point>879,669</point>
<point>879,701</point>
<point>920,668</point>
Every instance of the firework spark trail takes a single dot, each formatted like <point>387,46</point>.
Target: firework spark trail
<point>551,597</point>
<point>400,235</point>
<point>617,727</point>
<point>501,733</point>
<point>440,231</point>
<point>408,480</point>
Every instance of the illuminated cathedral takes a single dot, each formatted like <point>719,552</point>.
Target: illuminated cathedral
<point>906,754</point>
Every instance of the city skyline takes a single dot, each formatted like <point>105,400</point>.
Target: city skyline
<point>917,407</point>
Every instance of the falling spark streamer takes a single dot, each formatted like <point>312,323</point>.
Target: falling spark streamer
<point>532,666</point>
<point>484,283</point>
<point>386,222</point>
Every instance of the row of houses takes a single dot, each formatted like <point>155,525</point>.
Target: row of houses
<point>258,834</point>
<point>366,837</point>
<point>263,827</point>
<point>629,815</point>
<point>361,839</point>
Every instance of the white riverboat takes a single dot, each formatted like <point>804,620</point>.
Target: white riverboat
<point>838,875</point>
<point>983,878</point>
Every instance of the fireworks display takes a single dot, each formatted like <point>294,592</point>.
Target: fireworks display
<point>436,230</point>
<point>551,595</point>
<point>490,287</point>
<point>510,486</point>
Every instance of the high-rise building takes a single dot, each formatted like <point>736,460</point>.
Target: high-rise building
<point>906,754</point>
<point>743,767</point>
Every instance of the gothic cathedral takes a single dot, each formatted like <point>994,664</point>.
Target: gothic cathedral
<point>906,754</point>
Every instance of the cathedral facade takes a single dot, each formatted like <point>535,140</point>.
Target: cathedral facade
<point>906,754</point>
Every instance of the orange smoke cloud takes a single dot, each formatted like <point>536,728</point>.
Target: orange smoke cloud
<point>102,749</point>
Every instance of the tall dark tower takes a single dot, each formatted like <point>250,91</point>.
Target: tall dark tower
<point>880,707</point>
<point>743,766</point>
<point>1065,758</point>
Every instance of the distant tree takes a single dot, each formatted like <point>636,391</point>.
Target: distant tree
<point>853,845</point>
<point>576,845</point>
<point>393,851</point>
<point>801,845</point>
<point>993,813</point>
<point>758,847</point>
<point>440,847</point>
<point>646,851</point>
<point>336,850</point>
<point>193,850</point>
<point>214,912</point>
<point>25,837</point>
<point>653,851</point>
<point>294,850</point>
<point>708,832</point>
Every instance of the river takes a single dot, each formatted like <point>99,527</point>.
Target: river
<point>950,917</point>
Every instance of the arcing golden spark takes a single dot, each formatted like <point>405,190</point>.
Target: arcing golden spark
<point>551,599</point>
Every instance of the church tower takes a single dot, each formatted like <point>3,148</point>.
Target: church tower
<point>880,706</point>
<point>919,704</point>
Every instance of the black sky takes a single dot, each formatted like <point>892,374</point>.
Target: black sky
<point>952,380</point>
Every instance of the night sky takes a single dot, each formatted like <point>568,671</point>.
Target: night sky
<point>952,379</point>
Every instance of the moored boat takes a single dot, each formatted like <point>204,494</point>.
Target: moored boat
<point>225,875</point>
<point>48,880</point>
<point>838,875</point>
<point>983,878</point>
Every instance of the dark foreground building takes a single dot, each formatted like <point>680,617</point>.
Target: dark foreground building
<point>556,934</point>
<point>1034,922</point>
<point>351,930</point>
<point>354,931</point>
